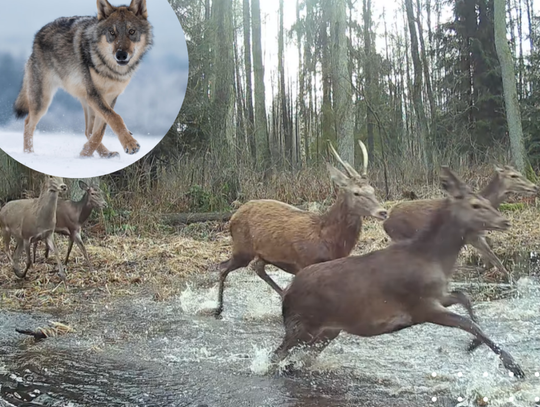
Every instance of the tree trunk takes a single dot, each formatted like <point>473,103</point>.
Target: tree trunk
<point>417,88</point>
<point>249,87</point>
<point>513,116</point>
<point>326,63</point>
<point>261,129</point>
<point>368,73</point>
<point>425,62</point>
<point>341,80</point>
<point>223,95</point>
<point>286,130</point>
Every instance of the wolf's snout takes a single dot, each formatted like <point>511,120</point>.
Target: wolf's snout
<point>122,57</point>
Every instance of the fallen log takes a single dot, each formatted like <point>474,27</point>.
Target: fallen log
<point>187,218</point>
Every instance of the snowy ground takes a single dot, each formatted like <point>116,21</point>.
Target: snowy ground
<point>58,153</point>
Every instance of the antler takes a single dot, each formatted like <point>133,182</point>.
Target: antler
<point>365,154</point>
<point>350,170</point>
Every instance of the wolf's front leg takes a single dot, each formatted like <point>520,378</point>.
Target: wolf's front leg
<point>104,111</point>
<point>94,125</point>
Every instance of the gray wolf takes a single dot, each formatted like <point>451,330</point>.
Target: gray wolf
<point>93,59</point>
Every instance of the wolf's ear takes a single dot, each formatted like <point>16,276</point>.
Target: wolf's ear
<point>138,7</point>
<point>104,9</point>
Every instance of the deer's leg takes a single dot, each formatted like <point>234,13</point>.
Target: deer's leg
<point>235,262</point>
<point>26,245</point>
<point>16,257</point>
<point>78,240</point>
<point>70,246</point>
<point>6,235</point>
<point>444,317</point>
<point>321,341</point>
<point>488,257</point>
<point>459,297</point>
<point>295,335</point>
<point>50,244</point>
<point>258,266</point>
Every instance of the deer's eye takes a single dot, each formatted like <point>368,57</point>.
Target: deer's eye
<point>476,206</point>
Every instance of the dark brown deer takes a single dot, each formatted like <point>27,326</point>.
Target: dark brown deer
<point>402,285</point>
<point>406,219</point>
<point>31,220</point>
<point>271,232</point>
<point>72,215</point>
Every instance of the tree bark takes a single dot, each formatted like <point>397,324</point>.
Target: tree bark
<point>368,74</point>
<point>261,129</point>
<point>513,115</point>
<point>342,89</point>
<point>249,86</point>
<point>417,88</point>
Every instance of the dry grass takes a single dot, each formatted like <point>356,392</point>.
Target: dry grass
<point>122,264</point>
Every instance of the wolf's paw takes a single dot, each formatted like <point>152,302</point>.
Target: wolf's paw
<point>132,147</point>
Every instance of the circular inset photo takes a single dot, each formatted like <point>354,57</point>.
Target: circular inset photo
<point>88,87</point>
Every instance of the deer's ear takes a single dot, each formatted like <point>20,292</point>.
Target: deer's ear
<point>337,177</point>
<point>498,169</point>
<point>83,185</point>
<point>453,186</point>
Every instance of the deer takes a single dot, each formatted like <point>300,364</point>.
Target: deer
<point>407,218</point>
<point>72,215</point>
<point>266,231</point>
<point>394,288</point>
<point>31,220</point>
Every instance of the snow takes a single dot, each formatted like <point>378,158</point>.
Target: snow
<point>57,154</point>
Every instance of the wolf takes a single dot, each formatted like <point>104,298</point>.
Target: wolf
<point>93,59</point>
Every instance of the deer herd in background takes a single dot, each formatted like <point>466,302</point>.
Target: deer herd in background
<point>30,221</point>
<point>399,286</point>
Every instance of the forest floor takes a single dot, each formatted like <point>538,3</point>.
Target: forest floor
<point>159,264</point>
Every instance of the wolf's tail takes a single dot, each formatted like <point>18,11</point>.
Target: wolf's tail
<point>20,107</point>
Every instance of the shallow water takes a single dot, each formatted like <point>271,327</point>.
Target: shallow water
<point>137,352</point>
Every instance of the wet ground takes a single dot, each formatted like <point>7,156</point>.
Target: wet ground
<point>138,352</point>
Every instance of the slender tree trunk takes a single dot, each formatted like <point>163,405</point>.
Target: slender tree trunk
<point>425,62</point>
<point>287,131</point>
<point>261,129</point>
<point>249,87</point>
<point>368,73</point>
<point>342,90</point>
<point>417,88</point>
<point>223,95</point>
<point>326,109</point>
<point>513,115</point>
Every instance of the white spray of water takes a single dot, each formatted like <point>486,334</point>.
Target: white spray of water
<point>197,301</point>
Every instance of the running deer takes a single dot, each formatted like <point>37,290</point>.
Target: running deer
<point>31,220</point>
<point>407,218</point>
<point>272,232</point>
<point>402,285</point>
<point>72,215</point>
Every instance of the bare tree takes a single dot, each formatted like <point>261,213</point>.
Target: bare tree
<point>513,115</point>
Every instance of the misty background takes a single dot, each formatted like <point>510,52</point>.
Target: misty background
<point>150,103</point>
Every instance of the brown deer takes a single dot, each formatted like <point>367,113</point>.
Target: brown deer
<point>406,219</point>
<point>72,215</point>
<point>272,232</point>
<point>402,285</point>
<point>31,220</point>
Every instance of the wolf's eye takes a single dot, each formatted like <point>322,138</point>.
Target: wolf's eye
<point>111,31</point>
<point>131,32</point>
